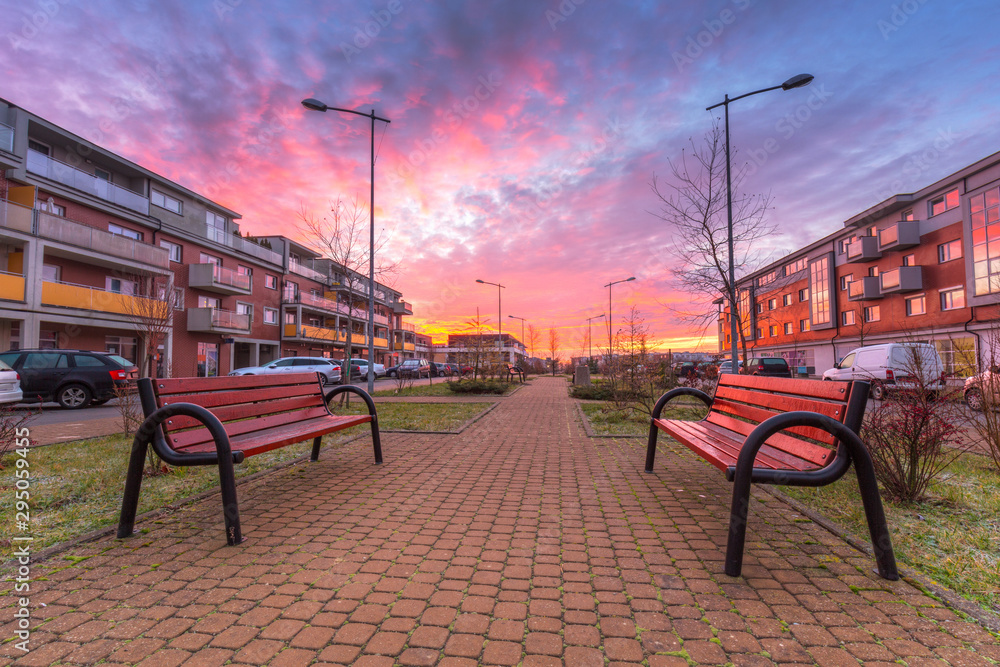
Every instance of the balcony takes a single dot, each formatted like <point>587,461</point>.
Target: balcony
<point>343,308</point>
<point>406,326</point>
<point>216,320</point>
<point>218,279</point>
<point>381,319</point>
<point>230,240</point>
<point>402,308</point>
<point>866,289</point>
<point>68,295</point>
<point>407,347</point>
<point>306,272</point>
<point>83,236</point>
<point>903,279</point>
<point>54,170</point>
<point>381,342</point>
<point>6,138</point>
<point>14,216</point>
<point>863,249</point>
<point>899,236</point>
<point>11,286</point>
<point>316,302</point>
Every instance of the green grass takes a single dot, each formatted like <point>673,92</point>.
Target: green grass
<point>439,388</point>
<point>953,537</point>
<point>76,487</point>
<point>604,420</point>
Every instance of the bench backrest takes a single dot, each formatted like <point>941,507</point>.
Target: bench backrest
<point>244,404</point>
<point>743,401</point>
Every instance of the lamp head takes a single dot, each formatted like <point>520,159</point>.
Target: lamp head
<point>630,279</point>
<point>314,105</point>
<point>796,81</point>
<point>480,281</point>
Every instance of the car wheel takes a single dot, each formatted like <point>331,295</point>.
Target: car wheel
<point>73,396</point>
<point>974,399</point>
<point>878,391</point>
<point>323,380</point>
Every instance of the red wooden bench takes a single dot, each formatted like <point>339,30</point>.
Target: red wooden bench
<point>222,420</point>
<point>780,431</point>
<point>512,371</point>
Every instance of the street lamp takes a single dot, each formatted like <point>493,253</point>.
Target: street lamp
<point>795,82</point>
<point>499,314</point>
<point>522,327</point>
<point>590,336</point>
<point>315,105</point>
<point>625,280</point>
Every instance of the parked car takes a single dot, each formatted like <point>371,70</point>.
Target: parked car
<point>983,390</point>
<point>466,369</point>
<point>362,367</point>
<point>439,369</point>
<point>10,385</point>
<point>689,370</point>
<point>768,366</point>
<point>73,378</point>
<point>455,369</point>
<point>892,365</point>
<point>727,366</point>
<point>329,370</point>
<point>414,368</point>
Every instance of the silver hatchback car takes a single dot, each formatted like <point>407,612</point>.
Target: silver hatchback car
<point>328,369</point>
<point>10,385</point>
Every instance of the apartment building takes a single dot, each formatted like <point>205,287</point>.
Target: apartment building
<point>90,242</point>
<point>460,345</point>
<point>923,266</point>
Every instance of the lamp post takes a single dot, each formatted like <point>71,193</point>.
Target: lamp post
<point>795,82</point>
<point>499,314</point>
<point>315,105</point>
<point>624,280</point>
<point>522,326</point>
<point>590,337</point>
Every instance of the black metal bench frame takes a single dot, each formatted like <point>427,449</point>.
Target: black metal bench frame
<point>513,370</point>
<point>743,471</point>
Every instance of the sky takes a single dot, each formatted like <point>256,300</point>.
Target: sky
<point>524,135</point>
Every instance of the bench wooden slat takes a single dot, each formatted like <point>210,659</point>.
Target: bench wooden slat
<point>169,386</point>
<point>255,443</point>
<point>289,409</point>
<point>194,436</point>
<point>757,415</point>
<point>718,446</point>
<point>799,448</point>
<point>239,397</point>
<point>782,402</point>
<point>827,390</point>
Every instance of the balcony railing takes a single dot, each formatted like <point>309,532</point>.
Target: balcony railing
<point>63,173</point>
<point>381,319</point>
<point>230,240</point>
<point>77,234</point>
<point>380,342</point>
<point>863,249</point>
<point>85,297</point>
<point>903,279</point>
<point>898,236</point>
<point>6,138</point>
<point>318,302</point>
<point>217,320</point>
<point>15,216</point>
<point>306,272</point>
<point>219,279</point>
<point>406,326</point>
<point>11,286</point>
<point>864,289</point>
<point>408,347</point>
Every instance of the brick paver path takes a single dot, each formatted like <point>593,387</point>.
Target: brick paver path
<point>520,541</point>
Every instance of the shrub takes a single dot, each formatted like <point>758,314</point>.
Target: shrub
<point>592,392</point>
<point>10,422</point>
<point>489,386</point>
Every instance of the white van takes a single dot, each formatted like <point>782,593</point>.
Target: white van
<point>891,365</point>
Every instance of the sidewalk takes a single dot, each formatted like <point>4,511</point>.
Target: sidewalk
<point>519,541</point>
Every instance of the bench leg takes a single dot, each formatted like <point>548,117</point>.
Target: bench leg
<point>230,507</point>
<point>315,452</point>
<point>376,440</point>
<point>738,525</point>
<point>651,446</point>
<point>133,481</point>
<point>885,558</point>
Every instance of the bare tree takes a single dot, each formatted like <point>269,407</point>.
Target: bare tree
<point>534,338</point>
<point>554,347</point>
<point>343,237</point>
<point>476,345</point>
<point>150,309</point>
<point>693,204</point>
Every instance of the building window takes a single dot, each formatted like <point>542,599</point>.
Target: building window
<point>178,298</point>
<point>773,330</point>
<point>760,333</point>
<point>796,266</point>
<point>949,251</point>
<point>119,286</point>
<point>873,271</point>
<point>803,294</point>
<point>270,282</point>
<point>51,207</point>
<point>953,299</point>
<point>173,249</point>
<point>907,216</point>
<point>166,202</point>
<point>208,360</point>
<point>804,324</point>
<point>270,315</point>
<point>216,226</point>
<point>872,314</point>
<point>786,300</point>
<point>846,280</point>
<point>289,317</point>
<point>916,305</point>
<point>847,318</point>
<point>788,328</point>
<point>118,230</point>
<point>245,309</point>
<point>244,270</point>
<point>123,346</point>
<point>958,355</point>
<point>204,258</point>
<point>945,202</point>
<point>819,281</point>
<point>50,273</point>
<point>291,292</point>
<point>102,174</point>
<point>910,260</point>
<point>760,307</point>
<point>38,147</point>
<point>772,304</point>
<point>985,209</point>
<point>209,302</point>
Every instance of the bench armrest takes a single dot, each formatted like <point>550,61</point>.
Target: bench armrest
<point>365,396</point>
<point>679,391</point>
<point>150,425</point>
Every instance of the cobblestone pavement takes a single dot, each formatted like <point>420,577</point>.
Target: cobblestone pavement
<point>520,541</point>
